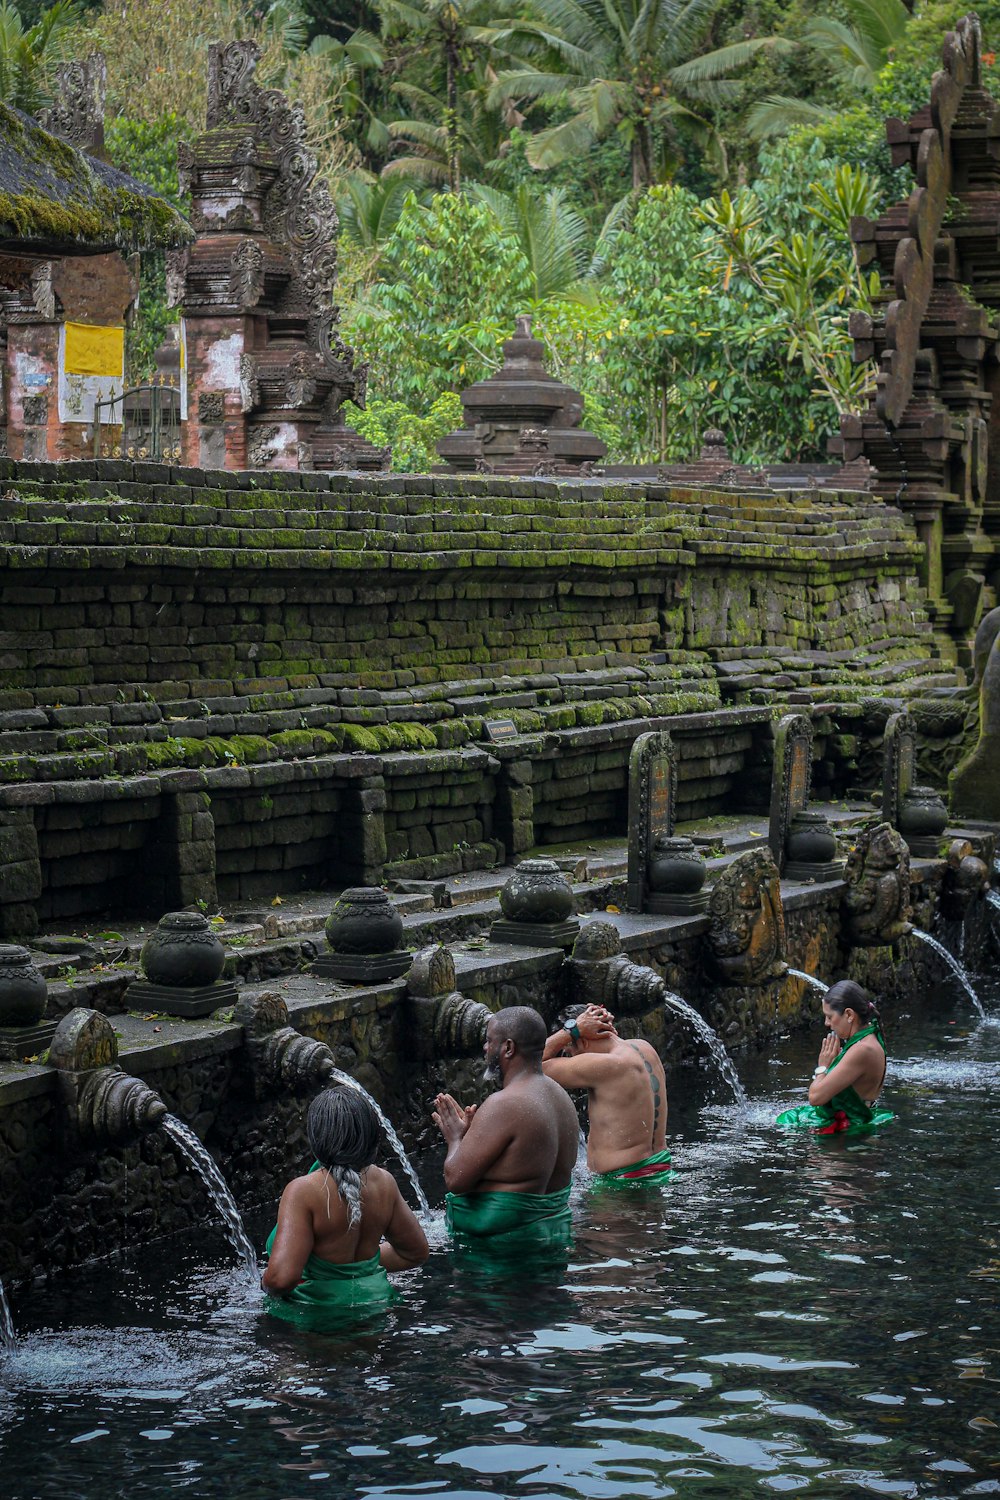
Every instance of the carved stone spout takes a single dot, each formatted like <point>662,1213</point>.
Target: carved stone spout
<point>876,903</point>
<point>104,1102</point>
<point>280,1056</point>
<point>444,1023</point>
<point>599,973</point>
<point>746,934</point>
<point>966,880</point>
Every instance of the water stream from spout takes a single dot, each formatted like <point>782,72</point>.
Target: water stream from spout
<point>198,1158</point>
<point>993,897</point>
<point>817,984</point>
<point>345,1079</point>
<point>7,1336</point>
<point>711,1040</point>
<point>954,966</point>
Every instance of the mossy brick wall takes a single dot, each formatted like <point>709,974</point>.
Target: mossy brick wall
<point>303,653</point>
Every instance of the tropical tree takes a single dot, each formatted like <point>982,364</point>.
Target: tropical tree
<point>630,66</point>
<point>808,278</point>
<point>452,38</point>
<point>29,54</point>
<point>855,51</point>
<point>433,148</point>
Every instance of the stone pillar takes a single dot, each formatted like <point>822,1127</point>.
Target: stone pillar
<point>183,852</point>
<point>20,873</point>
<point>514,805</point>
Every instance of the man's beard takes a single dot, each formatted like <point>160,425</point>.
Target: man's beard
<point>491,1071</point>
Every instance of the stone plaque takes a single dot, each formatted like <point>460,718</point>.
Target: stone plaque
<point>652,806</point>
<point>500,729</point>
<point>790,777</point>
<point>899,750</point>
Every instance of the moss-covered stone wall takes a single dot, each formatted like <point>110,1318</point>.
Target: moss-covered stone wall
<point>310,654</point>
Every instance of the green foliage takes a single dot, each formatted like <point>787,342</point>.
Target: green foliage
<point>148,150</point>
<point>444,265</point>
<point>30,51</point>
<point>413,438</point>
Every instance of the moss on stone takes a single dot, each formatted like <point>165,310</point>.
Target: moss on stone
<point>357,737</point>
<point>54,193</point>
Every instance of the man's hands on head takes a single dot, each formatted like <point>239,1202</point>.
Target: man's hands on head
<point>595,1022</point>
<point>452,1118</point>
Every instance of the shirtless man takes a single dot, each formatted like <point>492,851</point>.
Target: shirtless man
<point>510,1159</point>
<point>626,1096</point>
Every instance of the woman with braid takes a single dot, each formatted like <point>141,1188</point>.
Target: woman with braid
<point>343,1225</point>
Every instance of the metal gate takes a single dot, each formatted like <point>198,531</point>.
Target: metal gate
<point>143,422</point>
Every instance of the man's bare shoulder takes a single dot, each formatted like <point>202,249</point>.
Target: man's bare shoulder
<point>645,1049</point>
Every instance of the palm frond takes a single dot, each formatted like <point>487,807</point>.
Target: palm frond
<point>714,65</point>
<point>561,142</point>
<point>777,115</point>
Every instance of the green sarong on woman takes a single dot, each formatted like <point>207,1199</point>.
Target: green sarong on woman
<point>652,1171</point>
<point>330,1294</point>
<point>510,1223</point>
<point>846,1113</point>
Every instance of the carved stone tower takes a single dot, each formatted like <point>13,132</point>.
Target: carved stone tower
<point>267,372</point>
<point>932,430</point>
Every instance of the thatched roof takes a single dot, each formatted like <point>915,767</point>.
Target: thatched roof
<point>56,200</point>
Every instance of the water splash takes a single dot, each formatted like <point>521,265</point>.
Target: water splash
<point>993,897</point>
<point>198,1158</point>
<point>711,1040</point>
<point>7,1336</point>
<point>954,966</point>
<point>345,1079</point>
<point>817,984</point>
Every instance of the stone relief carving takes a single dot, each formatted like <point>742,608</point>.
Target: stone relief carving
<point>76,113</point>
<point>246,275</point>
<point>746,935</point>
<point>211,407</point>
<point>876,900</point>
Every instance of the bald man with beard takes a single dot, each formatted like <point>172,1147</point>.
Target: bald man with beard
<point>509,1160</point>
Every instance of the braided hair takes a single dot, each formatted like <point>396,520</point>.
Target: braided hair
<point>344,1133</point>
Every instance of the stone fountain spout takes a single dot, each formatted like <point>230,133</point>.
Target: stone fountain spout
<point>599,973</point>
<point>281,1057</point>
<point>103,1101</point>
<point>443,1022</point>
<point>876,903</point>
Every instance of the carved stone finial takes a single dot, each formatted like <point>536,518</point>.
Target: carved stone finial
<point>76,113</point>
<point>104,1103</point>
<point>746,933</point>
<point>877,896</point>
<point>432,972</point>
<point>445,1023</point>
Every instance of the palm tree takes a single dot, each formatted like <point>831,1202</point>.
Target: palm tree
<point>627,65</point>
<point>431,151</point>
<point>455,37</point>
<point>555,239</point>
<point>28,55</point>
<point>855,50</point>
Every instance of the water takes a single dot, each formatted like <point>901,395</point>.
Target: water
<point>7,1335</point>
<point>197,1157</point>
<point>712,1041</point>
<point>793,1315</point>
<point>993,897</point>
<point>954,966</point>
<point>345,1079</point>
<point>817,984</point>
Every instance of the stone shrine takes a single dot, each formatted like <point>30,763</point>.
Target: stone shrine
<point>802,842</point>
<point>665,874</point>
<point>267,371</point>
<point>521,420</point>
<point>69,229</point>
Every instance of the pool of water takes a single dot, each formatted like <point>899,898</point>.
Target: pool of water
<point>792,1316</point>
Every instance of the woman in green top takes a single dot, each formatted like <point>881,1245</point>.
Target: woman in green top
<point>342,1225</point>
<point>851,1070</point>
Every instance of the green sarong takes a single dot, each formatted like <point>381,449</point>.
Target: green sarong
<point>847,1113</point>
<point>653,1171</point>
<point>510,1223</point>
<point>330,1294</point>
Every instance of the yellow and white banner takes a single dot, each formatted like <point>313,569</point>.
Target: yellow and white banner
<point>91,368</point>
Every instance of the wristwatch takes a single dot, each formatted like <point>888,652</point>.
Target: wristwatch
<point>572,1031</point>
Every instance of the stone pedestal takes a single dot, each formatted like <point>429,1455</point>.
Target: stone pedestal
<point>188,1001</point>
<point>536,934</point>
